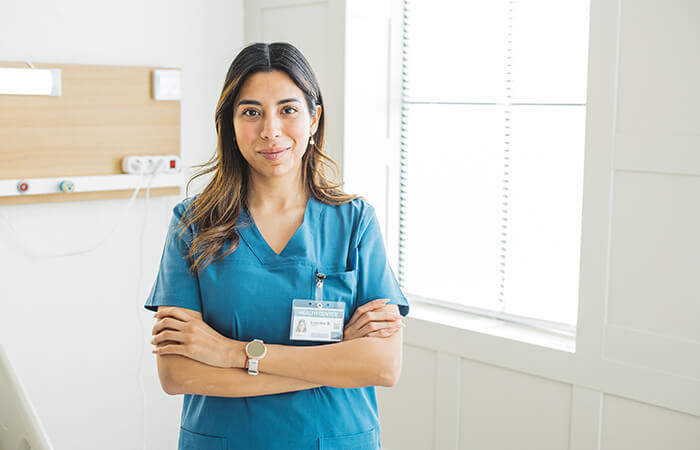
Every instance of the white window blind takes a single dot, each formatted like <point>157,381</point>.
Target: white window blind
<point>493,121</point>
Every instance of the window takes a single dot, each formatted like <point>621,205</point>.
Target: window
<point>493,122</point>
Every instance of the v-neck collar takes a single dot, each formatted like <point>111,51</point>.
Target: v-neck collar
<point>295,247</point>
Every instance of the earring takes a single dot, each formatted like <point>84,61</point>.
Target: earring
<point>311,141</point>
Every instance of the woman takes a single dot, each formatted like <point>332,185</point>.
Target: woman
<point>271,239</point>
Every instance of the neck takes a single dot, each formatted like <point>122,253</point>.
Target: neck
<point>277,193</point>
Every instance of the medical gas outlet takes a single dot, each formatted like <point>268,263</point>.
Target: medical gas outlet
<point>151,164</point>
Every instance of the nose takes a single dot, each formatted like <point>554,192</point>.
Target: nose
<point>271,127</point>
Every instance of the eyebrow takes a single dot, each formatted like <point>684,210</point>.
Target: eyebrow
<point>255,102</point>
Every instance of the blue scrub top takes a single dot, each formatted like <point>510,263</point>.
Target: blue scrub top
<point>248,295</point>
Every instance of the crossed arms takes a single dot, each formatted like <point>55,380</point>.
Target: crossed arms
<point>370,357</point>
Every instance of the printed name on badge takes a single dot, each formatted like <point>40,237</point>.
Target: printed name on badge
<point>317,320</point>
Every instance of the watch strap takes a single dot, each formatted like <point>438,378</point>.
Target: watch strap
<point>252,366</point>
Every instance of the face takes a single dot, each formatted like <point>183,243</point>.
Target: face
<point>272,124</point>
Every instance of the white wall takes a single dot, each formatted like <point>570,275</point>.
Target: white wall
<point>75,327</point>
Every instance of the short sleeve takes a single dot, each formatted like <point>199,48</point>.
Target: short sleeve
<point>376,279</point>
<point>175,285</point>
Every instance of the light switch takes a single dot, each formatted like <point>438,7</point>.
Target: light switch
<point>166,85</point>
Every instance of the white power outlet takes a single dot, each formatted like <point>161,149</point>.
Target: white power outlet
<point>151,164</point>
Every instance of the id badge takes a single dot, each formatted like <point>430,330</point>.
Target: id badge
<point>317,320</point>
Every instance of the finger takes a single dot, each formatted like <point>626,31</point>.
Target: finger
<point>162,337</point>
<point>375,316</point>
<point>173,349</point>
<point>168,335</point>
<point>167,322</point>
<point>173,312</point>
<point>375,326</point>
<point>383,333</point>
<point>374,304</point>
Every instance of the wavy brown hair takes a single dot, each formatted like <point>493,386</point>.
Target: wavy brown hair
<point>214,213</point>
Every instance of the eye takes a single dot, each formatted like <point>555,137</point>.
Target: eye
<point>245,113</point>
<point>288,108</point>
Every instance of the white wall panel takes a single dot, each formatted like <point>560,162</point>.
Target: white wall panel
<point>654,281</point>
<point>660,153</point>
<point>676,357</point>
<point>407,410</point>
<point>586,410</point>
<point>659,61</point>
<point>503,409</point>
<point>633,425</point>
<point>654,264</point>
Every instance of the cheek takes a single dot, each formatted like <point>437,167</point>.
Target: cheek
<point>300,132</point>
<point>245,133</point>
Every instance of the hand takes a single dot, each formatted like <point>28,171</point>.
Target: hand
<point>178,333</point>
<point>366,322</point>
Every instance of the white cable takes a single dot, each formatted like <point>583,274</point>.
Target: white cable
<point>139,311</point>
<point>34,253</point>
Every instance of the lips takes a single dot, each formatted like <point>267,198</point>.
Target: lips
<point>273,153</point>
<point>270,151</point>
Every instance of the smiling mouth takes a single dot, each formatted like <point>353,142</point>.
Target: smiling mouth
<point>273,152</point>
<point>274,155</point>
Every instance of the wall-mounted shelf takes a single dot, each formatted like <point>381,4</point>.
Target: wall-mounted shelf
<point>39,186</point>
<point>88,187</point>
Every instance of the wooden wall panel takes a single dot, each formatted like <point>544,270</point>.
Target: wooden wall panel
<point>103,114</point>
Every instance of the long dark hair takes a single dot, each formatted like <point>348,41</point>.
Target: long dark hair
<point>215,211</point>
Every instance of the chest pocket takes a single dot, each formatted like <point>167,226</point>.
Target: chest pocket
<point>337,287</point>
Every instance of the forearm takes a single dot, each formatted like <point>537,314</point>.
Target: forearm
<point>366,361</point>
<point>187,376</point>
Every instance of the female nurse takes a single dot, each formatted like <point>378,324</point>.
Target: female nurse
<point>269,242</point>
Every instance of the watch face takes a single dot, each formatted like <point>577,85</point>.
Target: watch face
<point>256,349</point>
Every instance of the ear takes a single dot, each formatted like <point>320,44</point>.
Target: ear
<point>315,120</point>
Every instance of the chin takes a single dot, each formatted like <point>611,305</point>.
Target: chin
<point>280,170</point>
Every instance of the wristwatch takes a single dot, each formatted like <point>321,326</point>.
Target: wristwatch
<point>255,350</point>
